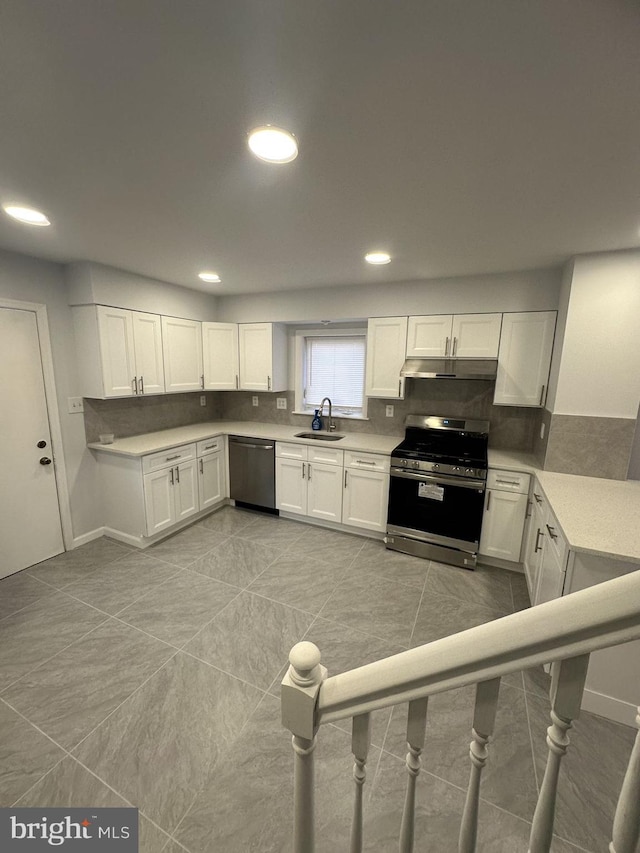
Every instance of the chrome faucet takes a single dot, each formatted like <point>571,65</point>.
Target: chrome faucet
<point>330,425</point>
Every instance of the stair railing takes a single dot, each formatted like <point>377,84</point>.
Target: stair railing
<point>564,631</point>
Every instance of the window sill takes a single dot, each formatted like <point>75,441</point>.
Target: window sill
<point>336,416</point>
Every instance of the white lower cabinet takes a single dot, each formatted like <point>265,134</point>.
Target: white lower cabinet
<point>505,507</point>
<point>212,479</point>
<point>171,495</point>
<point>309,481</point>
<point>366,491</point>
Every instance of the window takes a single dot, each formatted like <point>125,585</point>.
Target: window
<point>331,364</point>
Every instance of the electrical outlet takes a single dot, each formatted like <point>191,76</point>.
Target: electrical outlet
<point>388,411</point>
<point>281,402</point>
<point>203,399</point>
<point>75,405</point>
<point>254,400</point>
<point>542,430</point>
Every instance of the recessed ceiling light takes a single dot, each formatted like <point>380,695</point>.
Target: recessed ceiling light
<point>209,276</point>
<point>273,144</point>
<point>377,258</point>
<point>26,214</point>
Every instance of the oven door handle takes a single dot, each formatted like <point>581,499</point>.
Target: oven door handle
<point>440,480</point>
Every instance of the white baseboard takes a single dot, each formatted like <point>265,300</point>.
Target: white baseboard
<point>87,537</point>
<point>607,706</point>
<point>127,538</point>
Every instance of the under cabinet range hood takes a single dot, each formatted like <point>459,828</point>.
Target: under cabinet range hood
<point>450,368</point>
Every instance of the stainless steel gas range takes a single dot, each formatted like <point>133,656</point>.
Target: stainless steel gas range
<point>436,491</point>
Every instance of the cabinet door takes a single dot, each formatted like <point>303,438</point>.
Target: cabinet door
<point>386,348</point>
<point>429,336</point>
<point>185,490</point>
<point>503,525</point>
<point>115,330</point>
<point>365,499</point>
<point>291,485</point>
<point>476,335</point>
<point>551,575</point>
<point>524,358</point>
<point>182,348</point>
<point>220,354</point>
<point>211,479</point>
<point>324,491</point>
<point>158,500</point>
<point>256,368</point>
<point>147,339</point>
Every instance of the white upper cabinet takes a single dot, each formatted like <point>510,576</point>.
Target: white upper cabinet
<point>524,358</point>
<point>449,335</point>
<point>386,348</point>
<point>220,353</point>
<point>263,356</point>
<point>119,351</point>
<point>182,347</point>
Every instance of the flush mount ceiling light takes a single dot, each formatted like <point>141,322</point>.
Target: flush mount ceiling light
<point>26,214</point>
<point>377,258</point>
<point>273,144</point>
<point>209,276</point>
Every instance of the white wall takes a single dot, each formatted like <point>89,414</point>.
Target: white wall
<point>599,373</point>
<point>30,280</point>
<point>90,283</point>
<point>530,290</point>
<point>558,342</point>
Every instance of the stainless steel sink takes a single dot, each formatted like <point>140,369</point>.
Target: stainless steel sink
<point>319,436</point>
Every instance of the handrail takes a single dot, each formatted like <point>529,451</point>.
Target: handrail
<point>602,615</point>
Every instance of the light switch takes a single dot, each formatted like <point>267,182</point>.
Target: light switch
<point>389,411</point>
<point>281,402</point>
<point>75,405</point>
<point>203,399</point>
<point>254,400</point>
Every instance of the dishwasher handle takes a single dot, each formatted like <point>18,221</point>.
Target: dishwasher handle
<point>251,445</point>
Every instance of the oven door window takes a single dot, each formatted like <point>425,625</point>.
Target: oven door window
<point>437,508</point>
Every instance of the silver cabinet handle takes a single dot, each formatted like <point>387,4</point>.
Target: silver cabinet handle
<point>134,382</point>
<point>142,385</point>
<point>237,383</point>
<point>210,446</point>
<point>551,532</point>
<point>303,467</point>
<point>538,498</point>
<point>177,474</point>
<point>488,499</point>
<point>446,347</point>
<point>345,477</point>
<point>542,394</point>
<point>508,482</point>
<point>268,383</point>
<point>527,513</point>
<point>172,477</point>
<point>538,535</point>
<point>309,471</point>
<point>201,467</point>
<point>171,458</point>
<point>364,462</point>
<point>399,387</point>
<point>455,346</point>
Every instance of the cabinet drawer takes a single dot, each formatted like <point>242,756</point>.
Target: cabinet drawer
<point>555,539</point>
<point>366,461</point>
<point>538,499</point>
<point>291,451</point>
<point>508,481</point>
<point>166,458</point>
<point>328,455</point>
<point>210,445</point>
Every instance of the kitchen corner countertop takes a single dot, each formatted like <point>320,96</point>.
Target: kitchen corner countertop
<point>139,445</point>
<point>512,460</point>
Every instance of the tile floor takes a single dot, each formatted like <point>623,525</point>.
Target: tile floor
<point>152,679</point>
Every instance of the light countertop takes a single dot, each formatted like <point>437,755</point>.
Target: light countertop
<point>596,516</point>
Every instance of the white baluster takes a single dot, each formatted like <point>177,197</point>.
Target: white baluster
<point>360,742</point>
<point>416,724</point>
<point>567,686</point>
<point>484,717</point>
<point>626,824</point>
<point>300,688</point>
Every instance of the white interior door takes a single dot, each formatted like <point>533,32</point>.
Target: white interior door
<point>30,527</point>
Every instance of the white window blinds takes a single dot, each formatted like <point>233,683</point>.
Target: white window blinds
<point>334,367</point>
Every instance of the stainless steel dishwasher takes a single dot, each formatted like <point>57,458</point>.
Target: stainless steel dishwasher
<point>252,472</point>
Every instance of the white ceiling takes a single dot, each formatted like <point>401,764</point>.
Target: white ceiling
<point>463,136</point>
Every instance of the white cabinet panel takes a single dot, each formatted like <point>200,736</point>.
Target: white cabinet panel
<point>429,336</point>
<point>182,348</point>
<point>159,500</point>
<point>386,348</point>
<point>366,495</point>
<point>503,524</point>
<point>117,354</point>
<point>524,358</point>
<point>291,485</point>
<point>149,366</point>
<point>324,491</point>
<point>476,335</point>
<point>263,357</point>
<point>211,481</point>
<point>220,354</point>
<point>185,490</point>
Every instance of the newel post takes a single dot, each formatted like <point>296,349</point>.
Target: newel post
<point>300,688</point>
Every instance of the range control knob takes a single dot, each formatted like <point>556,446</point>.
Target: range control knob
<point>468,471</point>
<point>416,463</point>
<point>456,468</point>
<point>436,466</point>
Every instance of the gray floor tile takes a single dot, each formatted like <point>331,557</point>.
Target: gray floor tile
<point>299,581</point>
<point>251,638</point>
<point>520,591</point>
<point>377,606</point>
<point>113,587</point>
<point>175,610</point>
<point>537,681</point>
<point>70,785</point>
<point>36,633</point>
<point>186,547</point>
<point>236,561</point>
<point>25,755</point>
<point>376,560</point>
<point>73,565</point>
<point>274,531</point>
<point>486,587</point>
<point>442,615</point>
<point>74,691</point>
<point>591,773</point>
<point>227,520</point>
<point>159,747</point>
<point>20,590</point>
<point>508,780</point>
<point>330,546</point>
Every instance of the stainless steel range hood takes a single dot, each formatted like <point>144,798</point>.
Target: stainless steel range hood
<point>450,368</point>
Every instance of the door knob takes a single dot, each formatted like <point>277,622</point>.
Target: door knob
<point>41,444</point>
<point>44,460</point>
